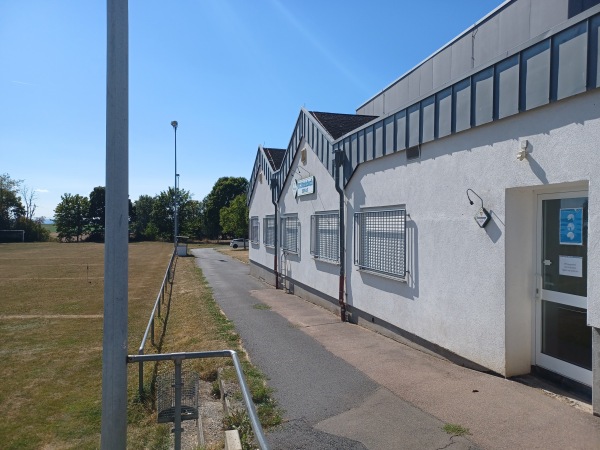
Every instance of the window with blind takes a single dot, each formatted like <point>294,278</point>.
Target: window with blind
<point>325,236</point>
<point>254,230</point>
<point>269,231</point>
<point>380,242</point>
<point>289,234</point>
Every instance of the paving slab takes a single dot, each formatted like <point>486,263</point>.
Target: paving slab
<point>500,414</point>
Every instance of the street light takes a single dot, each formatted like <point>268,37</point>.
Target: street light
<point>175,199</point>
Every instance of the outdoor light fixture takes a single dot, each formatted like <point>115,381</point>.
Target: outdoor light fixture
<point>483,216</point>
<point>522,154</point>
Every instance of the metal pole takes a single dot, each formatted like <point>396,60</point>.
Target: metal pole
<point>141,379</point>
<point>339,161</point>
<point>177,428</point>
<point>174,124</point>
<point>274,186</point>
<point>152,331</point>
<point>114,356</point>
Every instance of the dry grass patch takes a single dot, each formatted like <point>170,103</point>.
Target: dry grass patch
<point>194,322</point>
<point>51,328</point>
<point>50,395</point>
<point>189,322</point>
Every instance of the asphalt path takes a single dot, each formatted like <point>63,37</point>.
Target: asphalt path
<point>310,383</point>
<point>323,396</point>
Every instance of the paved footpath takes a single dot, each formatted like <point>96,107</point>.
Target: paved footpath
<point>345,387</point>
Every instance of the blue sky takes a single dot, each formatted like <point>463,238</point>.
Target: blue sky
<point>233,73</point>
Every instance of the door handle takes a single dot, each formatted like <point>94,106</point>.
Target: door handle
<point>538,285</point>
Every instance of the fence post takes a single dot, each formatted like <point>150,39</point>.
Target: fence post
<point>152,332</point>
<point>141,378</point>
<point>177,429</point>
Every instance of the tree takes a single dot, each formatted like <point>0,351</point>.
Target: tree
<point>221,195</point>
<point>193,219</point>
<point>234,218</point>
<point>11,207</point>
<point>34,229</point>
<point>143,217</point>
<point>29,197</point>
<point>97,214</point>
<point>163,212</point>
<point>71,217</point>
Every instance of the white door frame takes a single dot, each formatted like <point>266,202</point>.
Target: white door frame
<point>547,362</point>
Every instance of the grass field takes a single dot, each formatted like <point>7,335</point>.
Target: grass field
<point>50,227</point>
<point>51,329</point>
<point>51,346</point>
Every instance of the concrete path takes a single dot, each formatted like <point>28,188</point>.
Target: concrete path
<point>345,387</point>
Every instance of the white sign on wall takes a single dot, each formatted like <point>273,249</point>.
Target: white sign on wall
<point>304,186</point>
<point>570,266</point>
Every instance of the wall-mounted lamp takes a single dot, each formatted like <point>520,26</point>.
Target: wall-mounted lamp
<point>522,154</point>
<point>483,216</point>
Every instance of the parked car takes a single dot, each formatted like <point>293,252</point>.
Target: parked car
<point>235,243</point>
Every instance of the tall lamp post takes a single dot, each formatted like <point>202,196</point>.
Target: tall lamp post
<point>175,200</point>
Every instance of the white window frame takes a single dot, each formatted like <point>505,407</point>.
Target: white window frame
<point>380,242</point>
<point>290,234</point>
<point>254,230</point>
<point>325,236</point>
<point>269,231</point>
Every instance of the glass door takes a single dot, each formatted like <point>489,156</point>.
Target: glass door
<point>563,339</point>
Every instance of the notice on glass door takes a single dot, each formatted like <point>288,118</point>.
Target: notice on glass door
<point>571,226</point>
<point>570,266</point>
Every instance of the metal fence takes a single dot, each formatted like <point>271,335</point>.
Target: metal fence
<point>160,298</point>
<point>380,242</point>
<point>177,359</point>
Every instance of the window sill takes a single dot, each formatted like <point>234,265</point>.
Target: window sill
<point>335,262</point>
<point>383,275</point>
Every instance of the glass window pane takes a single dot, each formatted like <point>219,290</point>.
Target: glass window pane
<point>565,334</point>
<point>554,246</point>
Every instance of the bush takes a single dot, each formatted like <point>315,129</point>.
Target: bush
<point>34,230</point>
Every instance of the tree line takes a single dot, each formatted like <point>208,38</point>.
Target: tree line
<point>17,209</point>
<point>222,213</point>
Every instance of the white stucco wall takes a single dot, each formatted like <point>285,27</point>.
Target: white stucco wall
<point>456,294</point>
<point>320,275</point>
<point>261,206</point>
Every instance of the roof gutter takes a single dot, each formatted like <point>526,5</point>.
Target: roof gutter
<point>339,161</point>
<point>274,200</point>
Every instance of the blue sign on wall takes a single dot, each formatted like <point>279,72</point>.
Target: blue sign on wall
<point>571,226</point>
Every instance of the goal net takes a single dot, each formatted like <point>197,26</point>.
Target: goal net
<point>12,235</point>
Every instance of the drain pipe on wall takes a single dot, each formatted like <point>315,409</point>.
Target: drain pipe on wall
<point>274,200</point>
<point>339,160</point>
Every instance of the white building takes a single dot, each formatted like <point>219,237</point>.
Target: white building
<point>468,195</point>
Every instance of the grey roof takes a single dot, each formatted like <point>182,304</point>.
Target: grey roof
<point>274,156</point>
<point>338,125</point>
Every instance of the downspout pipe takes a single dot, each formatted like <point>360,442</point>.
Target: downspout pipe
<point>274,200</point>
<point>339,161</point>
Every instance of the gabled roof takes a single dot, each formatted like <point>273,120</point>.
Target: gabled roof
<point>275,157</point>
<point>338,125</point>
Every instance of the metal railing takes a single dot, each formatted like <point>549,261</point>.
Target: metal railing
<point>177,359</point>
<point>150,327</point>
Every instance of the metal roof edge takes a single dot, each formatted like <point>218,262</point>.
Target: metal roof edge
<point>448,44</point>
